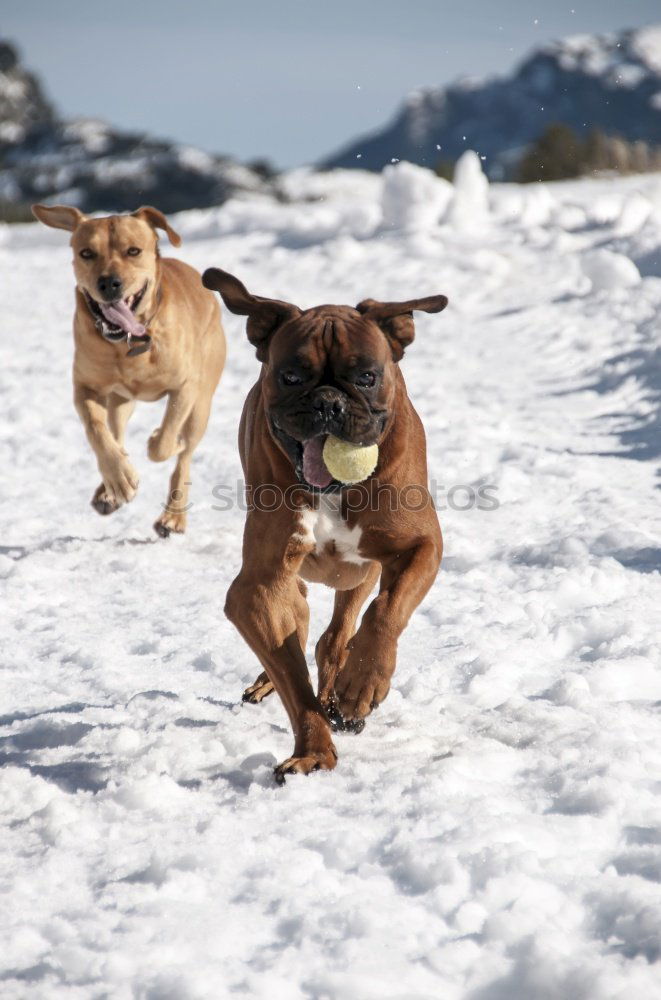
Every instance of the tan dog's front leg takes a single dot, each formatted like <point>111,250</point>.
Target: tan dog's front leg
<point>364,680</point>
<point>175,511</point>
<point>120,479</point>
<point>166,440</point>
<point>119,412</point>
<point>271,615</point>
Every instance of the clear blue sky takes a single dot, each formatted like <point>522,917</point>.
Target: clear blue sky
<point>290,80</point>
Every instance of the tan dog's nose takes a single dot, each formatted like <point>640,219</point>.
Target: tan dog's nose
<point>110,287</point>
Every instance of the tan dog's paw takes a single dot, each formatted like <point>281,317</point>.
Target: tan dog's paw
<point>259,690</point>
<point>324,760</point>
<point>160,447</point>
<point>170,521</point>
<point>102,503</point>
<point>120,481</point>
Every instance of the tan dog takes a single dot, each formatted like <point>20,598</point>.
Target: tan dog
<point>329,370</point>
<point>144,327</point>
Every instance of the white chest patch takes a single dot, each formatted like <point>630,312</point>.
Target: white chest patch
<point>325,527</point>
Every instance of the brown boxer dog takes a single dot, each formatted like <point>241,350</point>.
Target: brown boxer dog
<point>143,328</point>
<point>329,370</point>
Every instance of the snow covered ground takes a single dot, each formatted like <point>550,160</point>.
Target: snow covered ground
<point>495,833</point>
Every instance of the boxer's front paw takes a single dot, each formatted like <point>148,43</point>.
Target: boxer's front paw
<point>323,760</point>
<point>338,722</point>
<point>259,690</point>
<point>364,681</point>
<point>330,653</point>
<point>357,696</point>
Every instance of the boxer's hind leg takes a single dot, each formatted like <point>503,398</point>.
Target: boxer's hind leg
<point>332,648</point>
<point>262,687</point>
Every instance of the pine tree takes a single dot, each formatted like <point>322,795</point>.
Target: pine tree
<point>554,157</point>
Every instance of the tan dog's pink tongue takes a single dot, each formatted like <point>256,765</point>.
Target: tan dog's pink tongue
<point>120,314</point>
<point>314,467</point>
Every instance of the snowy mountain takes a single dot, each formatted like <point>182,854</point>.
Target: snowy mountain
<point>23,106</point>
<point>88,163</point>
<point>612,82</point>
<point>495,832</point>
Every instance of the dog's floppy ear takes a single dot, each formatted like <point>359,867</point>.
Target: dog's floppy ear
<point>58,216</point>
<point>157,220</point>
<point>264,315</point>
<point>396,318</point>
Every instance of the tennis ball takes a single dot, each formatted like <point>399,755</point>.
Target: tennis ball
<point>349,463</point>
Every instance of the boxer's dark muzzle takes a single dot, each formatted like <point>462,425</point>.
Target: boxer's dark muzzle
<point>318,413</point>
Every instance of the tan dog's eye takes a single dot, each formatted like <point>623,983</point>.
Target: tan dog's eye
<point>87,254</point>
<point>134,251</point>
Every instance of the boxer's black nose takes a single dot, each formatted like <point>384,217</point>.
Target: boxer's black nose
<point>328,405</point>
<point>110,287</point>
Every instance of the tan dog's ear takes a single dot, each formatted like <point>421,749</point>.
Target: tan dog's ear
<point>264,315</point>
<point>58,216</point>
<point>396,318</point>
<point>157,220</point>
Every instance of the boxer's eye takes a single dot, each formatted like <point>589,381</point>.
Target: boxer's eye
<point>290,378</point>
<point>366,380</point>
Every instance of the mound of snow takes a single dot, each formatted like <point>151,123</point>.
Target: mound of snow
<point>608,270</point>
<point>470,202</point>
<point>413,197</point>
<point>634,213</point>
